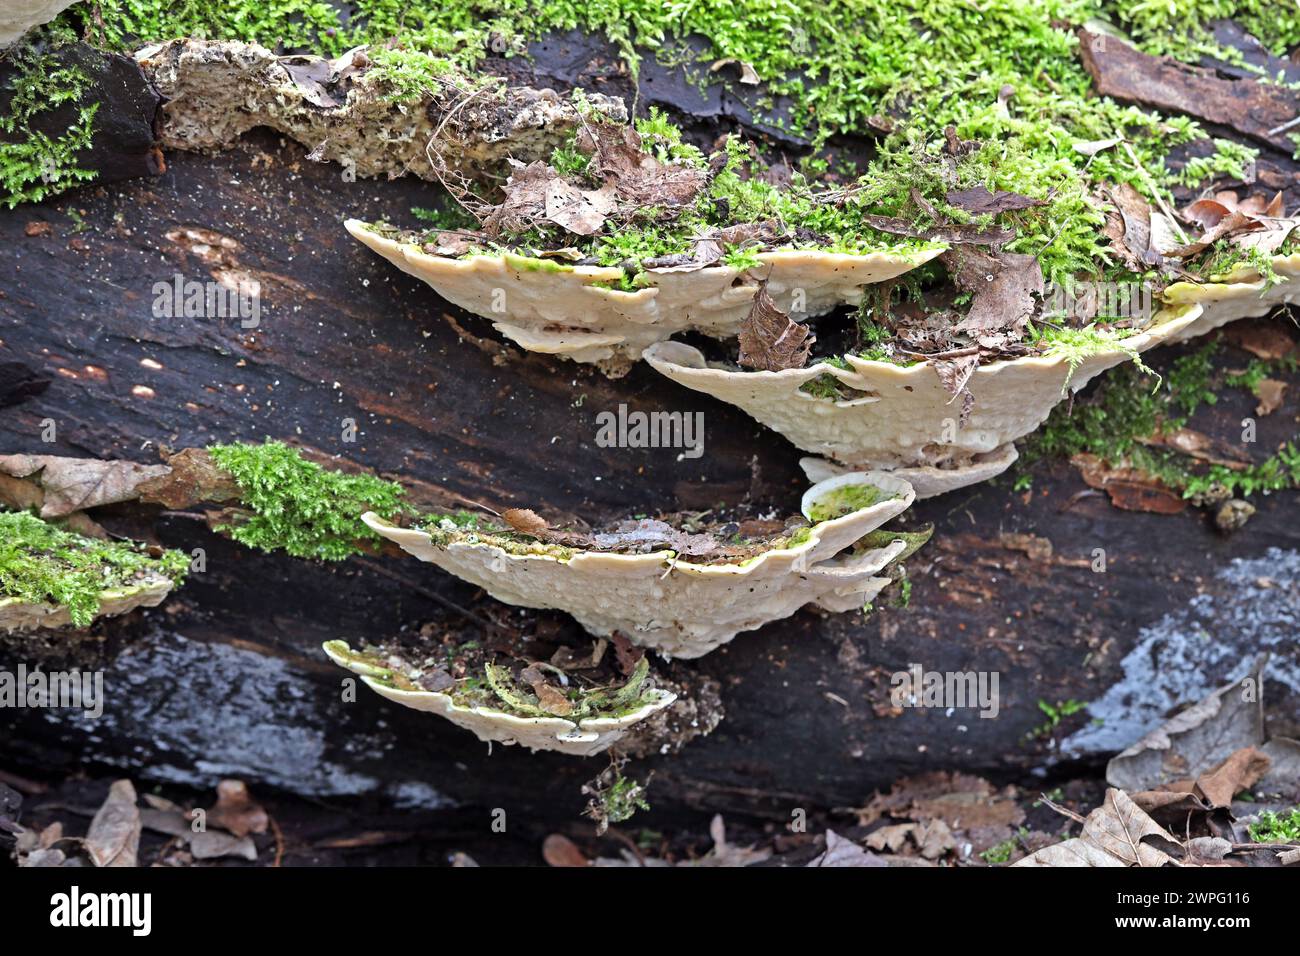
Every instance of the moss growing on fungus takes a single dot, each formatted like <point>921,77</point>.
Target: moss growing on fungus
<point>43,564</point>
<point>844,500</point>
<point>300,507</point>
<point>492,686</point>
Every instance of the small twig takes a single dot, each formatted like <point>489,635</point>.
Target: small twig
<point>279,840</point>
<point>1289,124</point>
<point>1063,811</point>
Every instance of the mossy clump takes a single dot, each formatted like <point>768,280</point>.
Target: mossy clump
<point>43,564</point>
<point>1133,404</point>
<point>844,500</point>
<point>33,163</point>
<point>1276,828</point>
<point>300,507</point>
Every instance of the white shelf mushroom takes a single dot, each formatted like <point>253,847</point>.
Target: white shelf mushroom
<point>19,16</point>
<point>902,420</point>
<point>679,607</point>
<point>578,311</point>
<point>17,615</point>
<point>584,737</point>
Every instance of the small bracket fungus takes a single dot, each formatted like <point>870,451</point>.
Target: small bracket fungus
<point>581,737</point>
<point>902,419</point>
<point>51,578</point>
<point>19,16</point>
<point>683,607</point>
<point>581,313</point>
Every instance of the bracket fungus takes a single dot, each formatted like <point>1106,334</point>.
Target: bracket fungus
<point>685,607</point>
<point>50,577</point>
<point>581,313</point>
<point>901,419</point>
<point>578,735</point>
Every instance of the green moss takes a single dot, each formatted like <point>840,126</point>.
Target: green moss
<point>1275,828</point>
<point>1128,407</point>
<point>615,798</point>
<point>300,507</point>
<point>844,500</point>
<point>924,64</point>
<point>33,163</point>
<point>1182,29</point>
<point>1076,345</point>
<point>410,75</point>
<point>1001,853</point>
<point>41,563</point>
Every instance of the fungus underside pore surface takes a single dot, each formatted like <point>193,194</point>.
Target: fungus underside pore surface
<point>43,564</point>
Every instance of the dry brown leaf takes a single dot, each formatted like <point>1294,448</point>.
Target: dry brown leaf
<point>1252,223</point>
<point>769,339</point>
<point>892,838</point>
<point>952,233</point>
<point>114,835</point>
<point>1271,393</point>
<point>840,852</point>
<point>550,698</point>
<point>192,477</point>
<point>1194,740</point>
<point>235,810</point>
<point>650,534</point>
<point>1267,339</point>
<point>640,181</point>
<point>1129,228</point>
<point>1118,833</point>
<point>627,653</point>
<point>580,211</point>
<point>1006,287</point>
<point>213,844</point>
<point>559,850</point>
<point>1121,828</point>
<point>74,484</point>
<point>525,521</point>
<point>1200,446</point>
<point>1239,771</point>
<point>979,201</point>
<point>1129,489</point>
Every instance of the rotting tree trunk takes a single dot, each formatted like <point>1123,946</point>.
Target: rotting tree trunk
<point>229,680</point>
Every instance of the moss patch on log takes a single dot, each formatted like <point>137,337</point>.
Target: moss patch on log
<point>43,564</point>
<point>299,506</point>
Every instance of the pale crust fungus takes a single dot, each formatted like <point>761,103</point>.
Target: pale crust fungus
<point>17,615</point>
<point>685,609</point>
<point>582,738</point>
<point>903,421</point>
<point>19,16</point>
<point>578,311</point>
<point>216,91</point>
